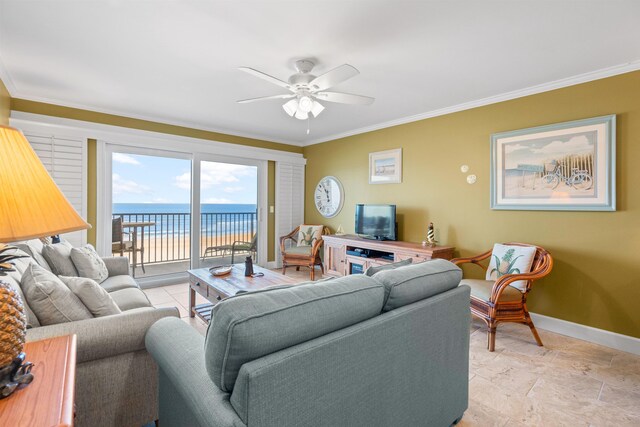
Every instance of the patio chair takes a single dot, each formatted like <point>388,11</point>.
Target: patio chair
<point>237,246</point>
<point>119,245</point>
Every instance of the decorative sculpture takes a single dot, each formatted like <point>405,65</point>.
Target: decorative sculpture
<point>13,328</point>
<point>431,236</point>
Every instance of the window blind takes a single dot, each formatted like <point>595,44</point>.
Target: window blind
<point>65,160</point>
<point>289,201</point>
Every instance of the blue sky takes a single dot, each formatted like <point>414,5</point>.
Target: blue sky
<point>149,179</point>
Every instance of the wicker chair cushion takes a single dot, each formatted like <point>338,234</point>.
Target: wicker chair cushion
<point>481,289</point>
<point>298,250</point>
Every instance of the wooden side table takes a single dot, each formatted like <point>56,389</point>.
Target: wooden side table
<point>49,399</point>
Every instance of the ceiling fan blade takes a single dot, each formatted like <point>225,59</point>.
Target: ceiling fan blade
<point>264,98</point>
<point>344,98</point>
<point>333,77</point>
<point>266,77</point>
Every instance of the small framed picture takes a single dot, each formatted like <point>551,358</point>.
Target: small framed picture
<point>567,166</point>
<point>385,167</point>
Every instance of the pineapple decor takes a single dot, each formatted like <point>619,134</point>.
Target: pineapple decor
<point>308,237</point>
<point>5,257</point>
<point>505,265</point>
<point>13,328</point>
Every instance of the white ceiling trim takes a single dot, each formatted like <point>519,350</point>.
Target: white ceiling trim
<point>16,94</point>
<point>134,137</point>
<point>545,87</point>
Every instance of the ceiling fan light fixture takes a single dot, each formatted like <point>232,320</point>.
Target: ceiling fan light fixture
<point>301,115</point>
<point>291,107</point>
<point>305,104</point>
<point>317,108</point>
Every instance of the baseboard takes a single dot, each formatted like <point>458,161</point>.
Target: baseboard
<point>587,333</point>
<point>164,280</point>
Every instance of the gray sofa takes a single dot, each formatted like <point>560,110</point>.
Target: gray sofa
<point>387,350</point>
<point>115,376</point>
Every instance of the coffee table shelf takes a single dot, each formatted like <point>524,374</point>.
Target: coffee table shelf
<point>217,288</point>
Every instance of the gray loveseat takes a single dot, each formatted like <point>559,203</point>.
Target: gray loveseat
<point>116,379</point>
<point>387,350</point>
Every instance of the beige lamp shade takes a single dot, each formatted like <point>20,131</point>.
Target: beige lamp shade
<point>31,205</point>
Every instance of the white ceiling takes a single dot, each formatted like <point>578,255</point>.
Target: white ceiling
<point>176,61</point>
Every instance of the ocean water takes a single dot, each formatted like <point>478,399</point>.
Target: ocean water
<point>175,218</point>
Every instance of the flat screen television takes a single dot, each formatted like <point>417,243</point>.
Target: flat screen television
<point>376,221</point>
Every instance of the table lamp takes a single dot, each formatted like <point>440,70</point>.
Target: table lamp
<point>31,206</point>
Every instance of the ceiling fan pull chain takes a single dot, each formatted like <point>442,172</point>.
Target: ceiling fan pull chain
<point>308,125</point>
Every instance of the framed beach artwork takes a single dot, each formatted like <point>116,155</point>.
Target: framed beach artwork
<point>566,166</point>
<point>385,167</point>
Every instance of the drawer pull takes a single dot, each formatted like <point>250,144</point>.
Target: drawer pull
<point>197,283</point>
<point>219,298</point>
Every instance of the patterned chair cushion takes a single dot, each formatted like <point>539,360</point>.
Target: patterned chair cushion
<point>511,259</point>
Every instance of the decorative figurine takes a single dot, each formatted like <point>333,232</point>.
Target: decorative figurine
<point>431,236</point>
<point>13,328</point>
<point>340,231</point>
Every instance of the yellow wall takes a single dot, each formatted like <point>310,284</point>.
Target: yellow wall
<point>109,119</point>
<point>5,105</point>
<point>596,278</point>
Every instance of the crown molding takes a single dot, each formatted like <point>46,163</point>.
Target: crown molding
<point>151,118</point>
<point>520,93</point>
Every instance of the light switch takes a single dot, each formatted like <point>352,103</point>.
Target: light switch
<point>271,209</point>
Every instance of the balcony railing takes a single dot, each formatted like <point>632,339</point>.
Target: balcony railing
<point>167,236</point>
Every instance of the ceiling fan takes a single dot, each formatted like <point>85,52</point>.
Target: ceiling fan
<point>307,89</point>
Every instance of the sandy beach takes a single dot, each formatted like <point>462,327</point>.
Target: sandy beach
<point>174,247</point>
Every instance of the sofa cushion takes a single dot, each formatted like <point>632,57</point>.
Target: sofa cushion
<point>391,266</point>
<point>130,298</point>
<point>50,299</point>
<point>253,324</point>
<point>58,256</point>
<point>115,283</point>
<point>511,259</point>
<point>92,295</point>
<point>481,289</point>
<point>89,264</point>
<point>33,248</point>
<point>406,285</point>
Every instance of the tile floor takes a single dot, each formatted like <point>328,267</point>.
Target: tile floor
<point>568,382</point>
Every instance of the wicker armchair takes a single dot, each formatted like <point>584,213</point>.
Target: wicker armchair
<point>301,256</point>
<point>496,302</point>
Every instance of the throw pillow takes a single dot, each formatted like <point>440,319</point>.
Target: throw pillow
<point>92,295</point>
<point>50,299</point>
<point>507,259</point>
<point>58,256</point>
<point>308,234</point>
<point>89,264</point>
<point>391,266</point>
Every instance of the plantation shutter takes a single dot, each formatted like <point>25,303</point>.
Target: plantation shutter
<point>65,160</point>
<point>289,201</point>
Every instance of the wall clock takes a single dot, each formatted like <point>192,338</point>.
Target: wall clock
<point>329,196</point>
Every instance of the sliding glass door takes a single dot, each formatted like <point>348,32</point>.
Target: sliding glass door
<point>151,212</point>
<point>228,213</point>
<point>168,211</point>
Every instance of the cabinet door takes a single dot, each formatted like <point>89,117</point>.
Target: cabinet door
<point>363,263</point>
<point>334,259</point>
<point>417,258</point>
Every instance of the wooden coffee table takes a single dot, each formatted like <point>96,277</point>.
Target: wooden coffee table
<point>217,288</point>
